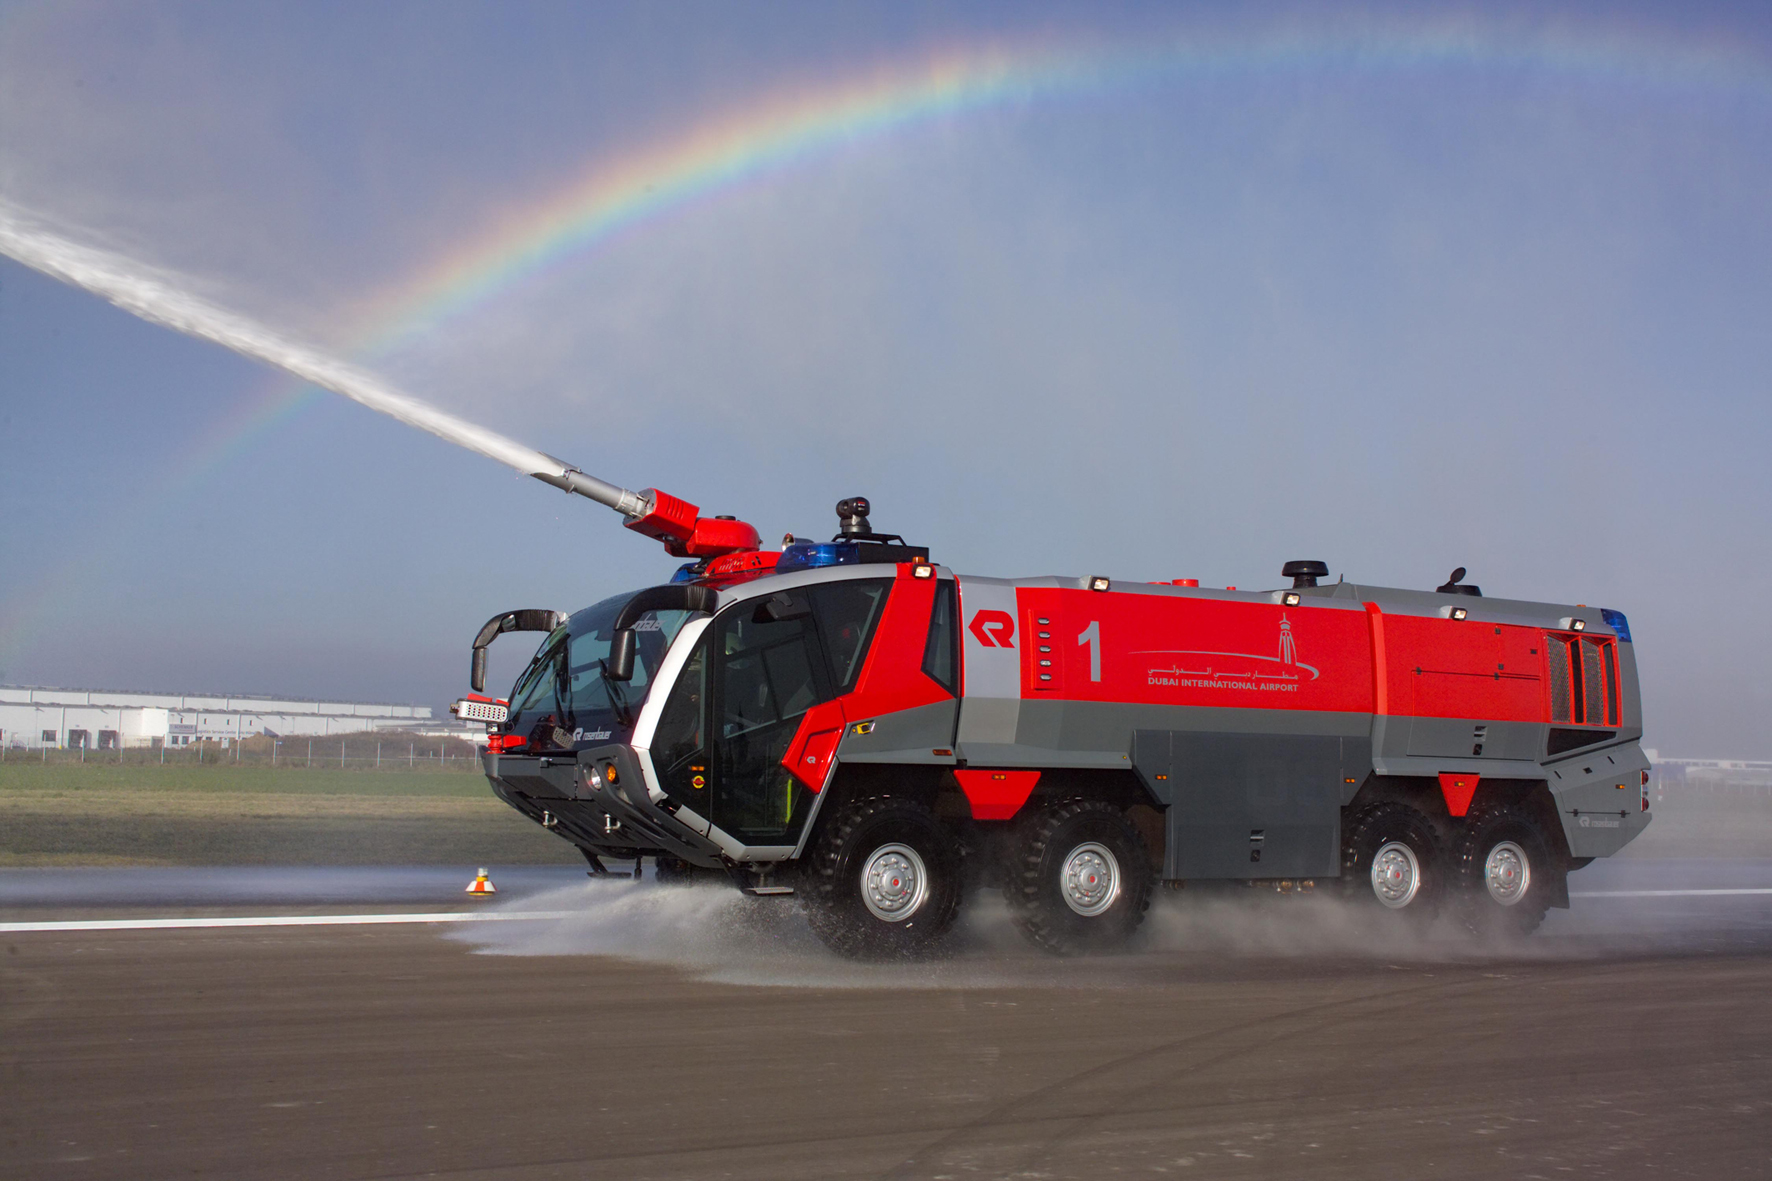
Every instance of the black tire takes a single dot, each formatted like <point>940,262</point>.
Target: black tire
<point>1101,900</point>
<point>1505,872</point>
<point>915,892</point>
<point>1391,860</point>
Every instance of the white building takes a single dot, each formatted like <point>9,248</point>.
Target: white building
<point>105,720</point>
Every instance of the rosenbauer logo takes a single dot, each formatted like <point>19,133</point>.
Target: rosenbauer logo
<point>994,629</point>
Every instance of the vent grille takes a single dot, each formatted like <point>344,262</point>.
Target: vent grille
<point>1592,692</point>
<point>1556,650</point>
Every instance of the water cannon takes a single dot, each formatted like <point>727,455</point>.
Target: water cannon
<point>676,523</point>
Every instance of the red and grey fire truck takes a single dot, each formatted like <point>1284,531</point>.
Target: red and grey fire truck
<point>852,724</point>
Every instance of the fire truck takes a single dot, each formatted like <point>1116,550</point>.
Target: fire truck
<point>851,724</point>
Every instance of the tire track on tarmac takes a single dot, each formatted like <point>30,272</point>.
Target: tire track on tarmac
<point>1020,1109</point>
<point>1292,1022</point>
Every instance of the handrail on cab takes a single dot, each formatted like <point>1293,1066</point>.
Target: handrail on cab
<point>530,619</point>
<point>676,596</point>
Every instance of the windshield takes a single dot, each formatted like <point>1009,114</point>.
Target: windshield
<point>563,700</point>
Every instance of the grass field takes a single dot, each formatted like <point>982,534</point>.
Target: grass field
<point>71,813</point>
<point>95,814</point>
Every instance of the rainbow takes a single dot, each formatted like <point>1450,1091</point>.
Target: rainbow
<point>778,131</point>
<point>787,127</point>
<point>792,126</point>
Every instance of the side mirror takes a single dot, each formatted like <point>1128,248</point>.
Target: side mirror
<point>528,620</point>
<point>621,655</point>
<point>675,596</point>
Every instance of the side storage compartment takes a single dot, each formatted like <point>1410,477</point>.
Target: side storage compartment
<point>1250,805</point>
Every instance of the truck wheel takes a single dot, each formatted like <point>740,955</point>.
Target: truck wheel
<point>1390,858</point>
<point>883,880</point>
<point>1505,872</point>
<point>1079,878</point>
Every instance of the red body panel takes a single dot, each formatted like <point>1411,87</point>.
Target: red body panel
<point>996,795</point>
<point>1167,650</point>
<point>1459,790</point>
<point>1445,668</point>
<point>891,679</point>
<point>1381,697</point>
<point>809,755</point>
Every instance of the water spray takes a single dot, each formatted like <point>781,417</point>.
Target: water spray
<point>155,298</point>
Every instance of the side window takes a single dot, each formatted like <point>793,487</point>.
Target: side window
<point>940,651</point>
<point>537,708</point>
<point>847,613</point>
<point>679,747</point>
<point>766,670</point>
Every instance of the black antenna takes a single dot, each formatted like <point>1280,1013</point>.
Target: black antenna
<point>1452,586</point>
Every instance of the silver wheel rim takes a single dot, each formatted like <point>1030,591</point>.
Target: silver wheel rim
<point>1396,875</point>
<point>894,883</point>
<point>1090,879</point>
<point>1507,873</point>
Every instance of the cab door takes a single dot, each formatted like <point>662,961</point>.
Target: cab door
<point>769,671</point>
<point>742,695</point>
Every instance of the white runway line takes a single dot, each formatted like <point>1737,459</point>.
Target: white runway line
<point>1666,893</point>
<point>502,916</point>
<point>286,920</point>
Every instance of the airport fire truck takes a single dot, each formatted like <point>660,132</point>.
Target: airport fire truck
<point>850,723</point>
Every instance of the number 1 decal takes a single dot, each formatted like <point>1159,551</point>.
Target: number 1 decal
<point>1091,635</point>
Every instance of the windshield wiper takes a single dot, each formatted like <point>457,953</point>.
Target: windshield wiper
<point>618,695</point>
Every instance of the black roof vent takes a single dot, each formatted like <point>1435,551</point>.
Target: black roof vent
<point>1304,573</point>
<point>1455,586</point>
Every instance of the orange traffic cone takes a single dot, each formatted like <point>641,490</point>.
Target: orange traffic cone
<point>482,884</point>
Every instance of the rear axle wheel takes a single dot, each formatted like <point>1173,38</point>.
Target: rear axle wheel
<point>1505,872</point>
<point>1079,878</point>
<point>1391,859</point>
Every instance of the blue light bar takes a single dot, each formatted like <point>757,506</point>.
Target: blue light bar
<point>686,572</point>
<point>1617,622</point>
<point>811,555</point>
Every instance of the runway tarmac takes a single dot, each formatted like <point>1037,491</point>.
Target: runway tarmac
<point>642,1032</point>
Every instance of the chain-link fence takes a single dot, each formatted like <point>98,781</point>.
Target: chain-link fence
<point>374,750</point>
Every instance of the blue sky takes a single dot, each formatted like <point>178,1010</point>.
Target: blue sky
<point>1506,312</point>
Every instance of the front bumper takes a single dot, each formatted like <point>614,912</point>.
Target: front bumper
<point>571,795</point>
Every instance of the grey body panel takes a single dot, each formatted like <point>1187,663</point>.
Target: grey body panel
<point>1096,735</point>
<point>1250,805</point>
<point>908,736</point>
<point>1599,800</point>
<point>990,707</point>
<point>1472,738</point>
